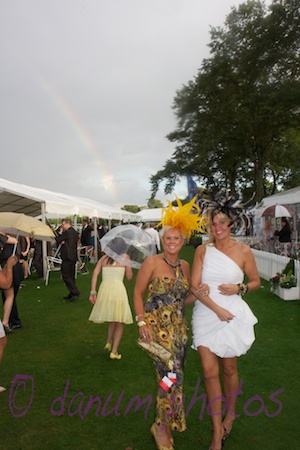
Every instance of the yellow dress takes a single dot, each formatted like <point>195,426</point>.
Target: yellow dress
<point>164,312</point>
<point>112,300</point>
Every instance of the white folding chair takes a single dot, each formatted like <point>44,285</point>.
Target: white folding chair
<point>30,259</point>
<point>83,258</point>
<point>53,265</point>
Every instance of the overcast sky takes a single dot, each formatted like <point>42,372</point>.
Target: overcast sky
<point>87,87</point>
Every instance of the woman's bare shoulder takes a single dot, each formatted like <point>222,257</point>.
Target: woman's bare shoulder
<point>245,248</point>
<point>201,249</point>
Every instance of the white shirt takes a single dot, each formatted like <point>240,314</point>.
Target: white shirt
<point>154,236</point>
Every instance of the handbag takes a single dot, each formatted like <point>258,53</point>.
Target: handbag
<point>157,352</point>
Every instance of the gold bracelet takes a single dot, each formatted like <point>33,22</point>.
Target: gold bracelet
<point>93,293</point>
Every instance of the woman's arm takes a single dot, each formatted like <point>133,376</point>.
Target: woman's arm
<point>6,274</point>
<point>128,270</point>
<point>198,290</point>
<point>196,286</point>
<point>9,239</point>
<point>250,270</point>
<point>97,270</point>
<point>25,253</point>
<point>142,280</point>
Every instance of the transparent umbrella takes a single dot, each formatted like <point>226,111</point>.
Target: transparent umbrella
<point>128,240</point>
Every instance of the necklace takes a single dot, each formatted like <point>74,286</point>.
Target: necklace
<point>170,263</point>
<point>175,267</point>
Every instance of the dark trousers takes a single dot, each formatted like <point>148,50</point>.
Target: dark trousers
<point>68,275</point>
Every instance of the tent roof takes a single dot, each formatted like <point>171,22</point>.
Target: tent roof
<point>289,197</point>
<point>151,215</point>
<point>21,198</point>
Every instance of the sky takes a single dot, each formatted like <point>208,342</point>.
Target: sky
<point>87,88</point>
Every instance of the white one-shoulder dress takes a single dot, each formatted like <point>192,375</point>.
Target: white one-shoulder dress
<point>225,339</point>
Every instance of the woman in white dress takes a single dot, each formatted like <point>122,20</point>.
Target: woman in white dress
<point>222,321</point>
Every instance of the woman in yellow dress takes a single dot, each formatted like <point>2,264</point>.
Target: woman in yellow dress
<point>111,303</point>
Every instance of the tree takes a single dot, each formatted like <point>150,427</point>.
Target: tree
<point>154,203</point>
<point>131,208</point>
<point>236,119</point>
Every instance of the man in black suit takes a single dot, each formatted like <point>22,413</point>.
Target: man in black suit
<point>86,234</point>
<point>69,240</point>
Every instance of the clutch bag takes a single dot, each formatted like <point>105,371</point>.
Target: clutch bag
<point>157,352</point>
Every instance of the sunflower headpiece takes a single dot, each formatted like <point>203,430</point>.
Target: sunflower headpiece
<point>185,218</point>
<point>222,201</point>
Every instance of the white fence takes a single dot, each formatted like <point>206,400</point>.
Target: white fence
<point>269,264</point>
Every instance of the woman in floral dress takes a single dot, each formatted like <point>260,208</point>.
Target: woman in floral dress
<point>161,318</point>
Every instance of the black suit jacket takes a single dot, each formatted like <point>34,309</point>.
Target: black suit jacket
<point>86,236</point>
<point>69,248</point>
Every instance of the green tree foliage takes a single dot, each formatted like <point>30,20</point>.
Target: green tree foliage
<point>154,203</point>
<point>238,120</point>
<point>131,208</point>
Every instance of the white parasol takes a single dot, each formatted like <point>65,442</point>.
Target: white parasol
<point>128,240</point>
<point>22,225</point>
<point>278,211</point>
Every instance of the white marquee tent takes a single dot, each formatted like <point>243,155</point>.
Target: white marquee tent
<point>290,197</point>
<point>20,198</point>
<point>33,201</point>
<point>150,215</point>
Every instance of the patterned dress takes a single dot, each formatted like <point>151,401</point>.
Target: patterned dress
<point>164,313</point>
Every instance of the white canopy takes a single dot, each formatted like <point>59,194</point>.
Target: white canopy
<point>32,201</point>
<point>290,197</point>
<point>150,215</point>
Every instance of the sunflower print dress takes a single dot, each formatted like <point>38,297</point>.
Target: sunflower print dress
<point>164,314</point>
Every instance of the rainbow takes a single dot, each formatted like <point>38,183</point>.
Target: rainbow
<point>79,130</point>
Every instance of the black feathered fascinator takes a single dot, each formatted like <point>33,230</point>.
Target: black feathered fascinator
<point>214,201</point>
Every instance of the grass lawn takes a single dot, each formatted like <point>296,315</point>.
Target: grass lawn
<point>63,391</point>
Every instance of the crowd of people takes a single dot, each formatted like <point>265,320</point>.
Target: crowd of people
<point>222,323</point>
<point>284,236</point>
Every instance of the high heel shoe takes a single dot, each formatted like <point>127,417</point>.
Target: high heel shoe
<point>7,329</point>
<point>171,440</point>
<point>227,432</point>
<point>222,443</point>
<point>211,448</point>
<point>107,347</point>
<point>115,355</point>
<point>160,447</point>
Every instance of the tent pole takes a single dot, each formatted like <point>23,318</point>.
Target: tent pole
<point>95,258</point>
<point>44,243</point>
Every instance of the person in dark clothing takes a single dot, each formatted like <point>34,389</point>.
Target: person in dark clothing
<point>6,278</point>
<point>38,257</point>
<point>11,319</point>
<point>284,237</point>
<point>86,234</point>
<point>69,240</point>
